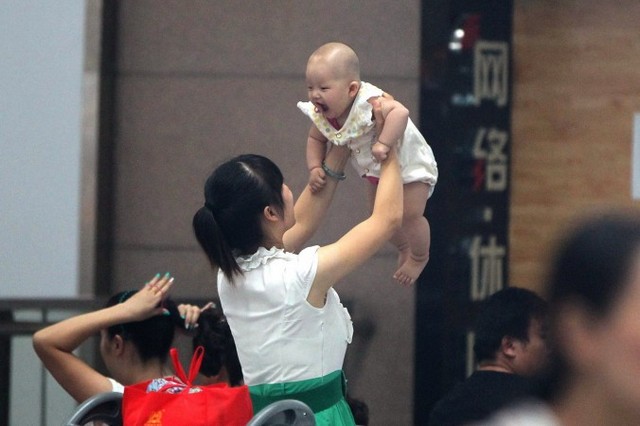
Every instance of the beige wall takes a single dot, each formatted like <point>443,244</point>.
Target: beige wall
<point>204,80</point>
<point>576,87</point>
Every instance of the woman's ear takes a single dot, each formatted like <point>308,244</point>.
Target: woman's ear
<point>270,214</point>
<point>117,344</point>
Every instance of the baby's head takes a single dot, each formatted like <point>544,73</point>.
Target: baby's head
<point>333,79</point>
<point>339,58</point>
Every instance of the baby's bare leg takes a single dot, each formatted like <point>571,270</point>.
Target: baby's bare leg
<point>414,238</point>
<point>401,242</point>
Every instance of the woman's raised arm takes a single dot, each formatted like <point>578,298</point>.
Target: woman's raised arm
<point>311,207</point>
<point>55,344</point>
<point>340,258</point>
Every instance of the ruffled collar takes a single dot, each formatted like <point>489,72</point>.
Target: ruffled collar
<point>358,122</point>
<point>260,257</point>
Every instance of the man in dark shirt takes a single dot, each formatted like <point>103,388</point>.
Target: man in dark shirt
<point>509,348</point>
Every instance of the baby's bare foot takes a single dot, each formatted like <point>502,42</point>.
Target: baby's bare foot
<point>403,256</point>
<point>410,270</point>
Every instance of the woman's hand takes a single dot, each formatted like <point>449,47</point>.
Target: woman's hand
<point>191,313</point>
<point>147,302</point>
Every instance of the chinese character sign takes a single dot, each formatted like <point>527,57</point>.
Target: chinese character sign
<point>486,272</point>
<point>489,151</point>
<point>491,72</point>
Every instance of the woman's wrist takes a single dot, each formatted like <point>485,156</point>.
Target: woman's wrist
<point>117,314</point>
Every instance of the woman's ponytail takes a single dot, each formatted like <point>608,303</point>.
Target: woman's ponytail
<point>236,193</point>
<point>214,243</point>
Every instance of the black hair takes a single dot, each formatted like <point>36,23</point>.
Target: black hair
<point>359,410</point>
<point>507,312</point>
<point>236,193</point>
<point>590,270</point>
<point>214,335</point>
<point>153,336</point>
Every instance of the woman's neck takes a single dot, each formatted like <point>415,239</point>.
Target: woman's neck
<point>269,244</point>
<point>143,371</point>
<point>272,239</point>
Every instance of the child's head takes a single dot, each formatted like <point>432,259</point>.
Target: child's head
<point>220,359</point>
<point>333,79</point>
<point>150,338</point>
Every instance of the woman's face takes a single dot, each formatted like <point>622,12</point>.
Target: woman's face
<point>287,197</point>
<point>614,342</point>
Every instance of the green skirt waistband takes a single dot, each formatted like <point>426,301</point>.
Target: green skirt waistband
<point>319,394</point>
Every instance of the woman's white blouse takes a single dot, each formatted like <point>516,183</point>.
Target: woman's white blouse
<point>280,337</point>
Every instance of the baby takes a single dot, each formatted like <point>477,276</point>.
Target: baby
<point>340,107</point>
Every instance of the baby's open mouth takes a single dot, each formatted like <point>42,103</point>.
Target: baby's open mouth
<point>320,107</point>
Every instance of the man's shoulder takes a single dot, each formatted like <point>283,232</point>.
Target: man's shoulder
<point>478,396</point>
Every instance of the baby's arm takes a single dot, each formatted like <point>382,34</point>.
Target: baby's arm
<point>316,151</point>
<point>396,117</point>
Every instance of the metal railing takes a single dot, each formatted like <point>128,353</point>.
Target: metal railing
<point>33,396</point>
<point>28,384</point>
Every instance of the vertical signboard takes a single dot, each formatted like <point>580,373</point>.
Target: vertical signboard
<point>465,113</point>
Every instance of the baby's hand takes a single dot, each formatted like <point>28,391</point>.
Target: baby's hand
<point>317,179</point>
<point>380,151</point>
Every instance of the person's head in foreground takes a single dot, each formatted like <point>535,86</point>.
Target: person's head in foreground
<point>594,296</point>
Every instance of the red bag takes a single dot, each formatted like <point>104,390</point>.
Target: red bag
<point>175,401</point>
